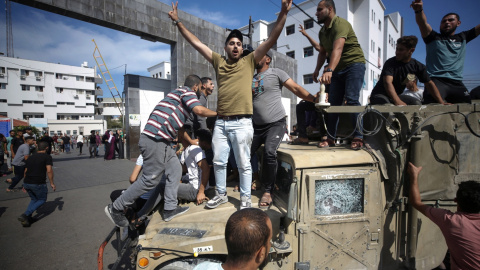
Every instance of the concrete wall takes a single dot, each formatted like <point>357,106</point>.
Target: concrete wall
<point>61,126</point>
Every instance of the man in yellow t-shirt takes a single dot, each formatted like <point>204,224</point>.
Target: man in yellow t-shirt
<point>233,127</point>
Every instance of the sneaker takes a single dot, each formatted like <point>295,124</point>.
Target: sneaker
<point>169,214</point>
<point>246,202</point>
<point>217,200</point>
<point>117,217</point>
<point>25,220</point>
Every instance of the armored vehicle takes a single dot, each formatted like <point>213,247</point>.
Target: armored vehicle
<point>338,208</point>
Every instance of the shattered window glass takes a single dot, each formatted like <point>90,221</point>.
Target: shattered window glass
<point>340,196</point>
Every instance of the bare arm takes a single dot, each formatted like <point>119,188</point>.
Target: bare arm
<point>322,55</point>
<point>50,176</point>
<point>191,38</point>
<point>26,157</point>
<point>299,91</point>
<point>314,43</point>
<point>414,198</point>
<point>334,59</point>
<point>202,164</point>
<point>420,18</point>
<point>263,48</point>
<point>204,111</point>
<point>135,173</point>
<point>390,89</point>
<point>432,89</point>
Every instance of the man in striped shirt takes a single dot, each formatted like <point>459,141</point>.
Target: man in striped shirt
<point>159,157</point>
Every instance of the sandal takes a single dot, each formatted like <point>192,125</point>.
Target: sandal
<point>326,143</point>
<point>265,201</point>
<point>297,141</point>
<point>357,144</point>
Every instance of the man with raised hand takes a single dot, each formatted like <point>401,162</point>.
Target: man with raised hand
<point>233,127</point>
<point>445,55</point>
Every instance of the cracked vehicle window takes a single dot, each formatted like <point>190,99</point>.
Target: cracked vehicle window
<point>339,196</point>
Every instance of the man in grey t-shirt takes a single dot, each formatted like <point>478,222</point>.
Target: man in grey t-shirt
<point>18,162</point>
<point>269,122</point>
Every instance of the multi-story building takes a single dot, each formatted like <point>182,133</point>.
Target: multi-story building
<point>370,24</point>
<point>160,70</point>
<point>34,89</point>
<point>110,106</point>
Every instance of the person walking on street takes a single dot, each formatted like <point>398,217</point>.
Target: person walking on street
<point>80,143</point>
<point>36,168</point>
<point>66,143</point>
<point>8,150</point>
<point>23,153</point>
<point>92,147</point>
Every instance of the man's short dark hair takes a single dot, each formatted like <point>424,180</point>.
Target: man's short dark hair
<point>408,41</point>
<point>29,138</point>
<point>192,80</point>
<point>452,13</point>
<point>235,33</point>
<point>28,128</point>
<point>42,146</point>
<point>204,135</point>
<point>205,80</point>
<point>330,3</point>
<point>245,233</point>
<point>468,196</point>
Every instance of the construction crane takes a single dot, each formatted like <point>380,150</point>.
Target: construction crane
<point>107,77</point>
<point>8,26</point>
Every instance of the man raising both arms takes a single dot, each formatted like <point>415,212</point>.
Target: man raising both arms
<point>445,55</point>
<point>233,127</point>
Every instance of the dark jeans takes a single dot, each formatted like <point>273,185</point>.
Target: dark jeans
<point>271,136</point>
<point>345,87</point>
<point>19,172</point>
<point>452,91</point>
<point>301,109</point>
<point>380,99</point>
<point>38,196</point>
<point>80,146</point>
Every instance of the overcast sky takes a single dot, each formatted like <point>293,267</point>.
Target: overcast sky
<point>44,36</point>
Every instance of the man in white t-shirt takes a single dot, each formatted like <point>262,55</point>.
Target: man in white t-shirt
<point>193,184</point>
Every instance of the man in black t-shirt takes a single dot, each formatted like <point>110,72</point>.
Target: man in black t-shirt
<point>36,168</point>
<point>92,148</point>
<point>66,143</point>
<point>397,71</point>
<point>49,140</point>
<point>16,142</point>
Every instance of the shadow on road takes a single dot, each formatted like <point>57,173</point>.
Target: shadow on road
<point>48,208</point>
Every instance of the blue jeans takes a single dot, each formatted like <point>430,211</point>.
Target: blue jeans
<point>345,86</point>
<point>236,134</point>
<point>38,196</point>
<point>67,148</point>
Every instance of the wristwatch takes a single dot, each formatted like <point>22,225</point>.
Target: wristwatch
<point>327,70</point>
<point>176,22</point>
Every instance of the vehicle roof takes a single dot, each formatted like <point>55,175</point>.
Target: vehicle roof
<point>310,156</point>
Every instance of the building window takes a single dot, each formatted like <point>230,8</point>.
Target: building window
<point>308,79</point>
<point>291,54</point>
<point>38,102</point>
<point>379,25</point>
<point>2,70</point>
<point>59,76</point>
<point>3,86</point>
<point>160,75</point>
<point>25,72</point>
<point>52,133</point>
<point>89,79</point>
<point>373,16</point>
<point>308,24</point>
<point>79,92</point>
<point>75,131</point>
<point>80,78</point>
<point>308,51</point>
<point>372,46</point>
<point>68,132</point>
<point>59,132</point>
<point>27,102</point>
<point>38,73</point>
<point>290,29</point>
<point>3,101</point>
<point>25,87</point>
<point>39,88</point>
<point>59,90</point>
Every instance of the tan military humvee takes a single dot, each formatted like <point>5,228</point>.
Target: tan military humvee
<point>338,208</point>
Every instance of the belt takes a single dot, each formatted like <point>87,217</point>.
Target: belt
<point>234,117</point>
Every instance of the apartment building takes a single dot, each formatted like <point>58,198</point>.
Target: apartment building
<point>33,89</point>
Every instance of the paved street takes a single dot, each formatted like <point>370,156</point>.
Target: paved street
<point>72,224</point>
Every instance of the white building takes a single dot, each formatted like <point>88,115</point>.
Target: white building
<point>110,107</point>
<point>160,70</point>
<point>34,89</point>
<point>358,12</point>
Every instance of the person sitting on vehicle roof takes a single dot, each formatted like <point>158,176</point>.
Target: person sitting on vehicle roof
<point>248,236</point>
<point>397,72</point>
<point>460,229</point>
